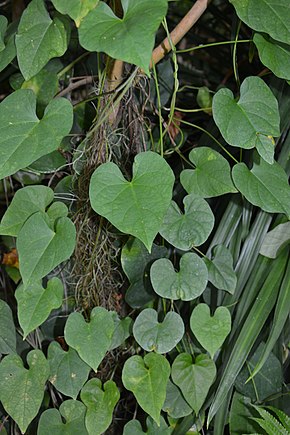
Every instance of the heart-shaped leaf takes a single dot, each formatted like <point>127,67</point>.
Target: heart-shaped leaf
<point>68,372</point>
<point>35,303</point>
<point>187,284</point>
<point>265,186</point>
<point>100,405</point>
<point>147,379</point>
<point>160,337</point>
<point>122,328</point>
<point>41,248</point>
<point>134,427</point>
<point>275,240</point>
<point>211,331</point>
<point>191,228</point>
<point>251,122</point>
<point>136,262</point>
<point>194,378</point>
<point>274,55</point>
<point>25,202</point>
<point>38,39</point>
<point>72,411</point>
<point>23,137</point>
<point>91,340</point>
<point>266,16</point>
<point>130,38</point>
<point>22,390</point>
<point>7,329</point>
<point>220,269</point>
<point>76,9</point>
<point>212,176</point>
<point>175,405</point>
<point>135,207</point>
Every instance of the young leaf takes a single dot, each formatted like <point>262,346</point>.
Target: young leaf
<point>265,186</point>
<point>212,176</point>
<point>100,404</point>
<point>211,331</point>
<point>22,390</point>
<point>38,39</point>
<point>7,329</point>
<point>121,331</point>
<point>134,427</point>
<point>68,372</point>
<point>91,340</point>
<point>23,137</point>
<point>34,303</point>
<point>160,337</point>
<point>130,38</point>
<point>194,378</point>
<point>191,228</point>
<point>25,202</point>
<point>41,248</point>
<point>72,411</point>
<point>251,122</point>
<point>135,207</point>
<point>274,55</point>
<point>275,240</point>
<point>75,9</point>
<point>187,284</point>
<point>147,379</point>
<point>174,404</point>
<point>220,269</point>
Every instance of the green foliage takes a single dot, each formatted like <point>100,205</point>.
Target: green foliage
<point>275,240</point>
<point>75,9</point>
<point>220,269</point>
<point>7,329</point>
<point>275,55</point>
<point>134,428</point>
<point>174,404</point>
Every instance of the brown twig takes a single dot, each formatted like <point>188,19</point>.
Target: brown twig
<point>86,81</point>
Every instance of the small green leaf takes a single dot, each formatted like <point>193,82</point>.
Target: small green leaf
<point>22,390</point>
<point>187,284</point>
<point>160,337</point>
<point>121,331</point>
<point>130,38</point>
<point>212,176</point>
<point>240,416</point>
<point>265,186</point>
<point>7,329</point>
<point>100,404</point>
<point>57,210</point>
<point>35,303</point>
<point>25,202</point>
<point>72,411</point>
<point>91,340</point>
<point>76,9</point>
<point>8,50</point>
<point>135,207</point>
<point>251,122</point>
<point>23,137</point>
<point>175,405</point>
<point>41,248</point>
<point>194,378</point>
<point>211,331</point>
<point>134,427</point>
<point>68,372</point>
<point>275,240</point>
<point>45,85</point>
<point>274,55</point>
<point>191,228</point>
<point>3,27</point>
<point>39,39</point>
<point>147,379</point>
<point>220,269</point>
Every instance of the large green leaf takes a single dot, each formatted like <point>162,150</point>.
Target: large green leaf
<point>264,185</point>
<point>187,284</point>
<point>274,55</point>
<point>7,329</point>
<point>68,372</point>
<point>134,427</point>
<point>147,379</point>
<point>174,404</point>
<point>130,38</point>
<point>194,378</point>
<point>23,137</point>
<point>212,175</point>
<point>42,248</point>
<point>211,331</point>
<point>135,207</point>
<point>25,202</point>
<point>34,303</point>
<point>76,9</point>
<point>72,411</point>
<point>22,390</point>
<point>100,403</point>
<point>160,337</point>
<point>38,39</point>
<point>251,122</point>
<point>267,16</point>
<point>191,228</point>
<point>136,262</point>
<point>90,339</point>
<point>220,269</point>
<point>275,240</point>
